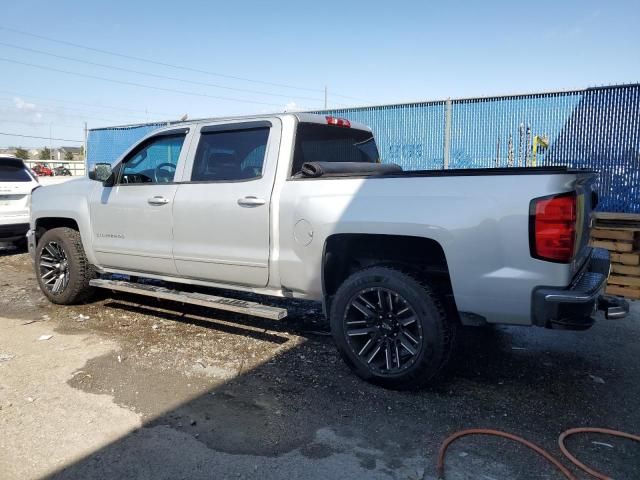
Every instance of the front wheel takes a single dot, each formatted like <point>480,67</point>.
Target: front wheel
<point>390,328</point>
<point>62,268</point>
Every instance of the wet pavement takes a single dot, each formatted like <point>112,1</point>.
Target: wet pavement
<point>220,395</point>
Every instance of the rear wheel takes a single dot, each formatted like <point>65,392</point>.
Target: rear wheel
<point>62,268</point>
<point>390,328</point>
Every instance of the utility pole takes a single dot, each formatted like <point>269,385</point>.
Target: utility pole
<point>325,97</point>
<point>50,143</point>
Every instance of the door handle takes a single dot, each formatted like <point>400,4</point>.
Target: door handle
<point>157,200</point>
<point>251,201</point>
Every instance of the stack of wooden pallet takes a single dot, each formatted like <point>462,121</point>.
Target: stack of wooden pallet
<point>620,234</point>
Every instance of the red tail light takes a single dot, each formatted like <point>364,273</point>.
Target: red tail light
<point>552,228</point>
<point>338,122</point>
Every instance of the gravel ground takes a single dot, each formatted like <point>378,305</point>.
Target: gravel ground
<point>159,390</point>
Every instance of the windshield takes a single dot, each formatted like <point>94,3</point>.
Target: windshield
<point>11,173</point>
<point>325,143</point>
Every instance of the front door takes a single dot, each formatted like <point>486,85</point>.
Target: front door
<point>132,220</point>
<point>222,208</point>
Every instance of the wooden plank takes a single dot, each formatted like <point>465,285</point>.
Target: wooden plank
<point>608,234</point>
<point>632,217</point>
<point>618,225</point>
<point>632,228</point>
<point>617,220</point>
<point>627,292</point>
<point>625,280</point>
<point>626,269</point>
<point>613,246</point>
<point>626,258</point>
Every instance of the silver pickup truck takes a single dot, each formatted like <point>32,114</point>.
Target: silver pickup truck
<point>299,206</point>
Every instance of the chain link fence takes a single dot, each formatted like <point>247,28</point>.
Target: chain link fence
<point>595,128</point>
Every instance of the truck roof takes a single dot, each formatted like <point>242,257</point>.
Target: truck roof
<point>301,116</point>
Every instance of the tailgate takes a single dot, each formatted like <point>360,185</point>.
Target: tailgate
<point>586,202</point>
<point>14,198</point>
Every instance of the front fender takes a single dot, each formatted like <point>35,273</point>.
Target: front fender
<point>66,201</point>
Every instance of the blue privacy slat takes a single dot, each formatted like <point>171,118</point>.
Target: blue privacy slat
<point>413,134</point>
<point>108,144</point>
<point>595,128</point>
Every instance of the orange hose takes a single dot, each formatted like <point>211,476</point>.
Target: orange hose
<point>498,433</point>
<point>578,463</point>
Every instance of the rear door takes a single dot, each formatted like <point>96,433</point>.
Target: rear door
<point>132,220</point>
<point>221,212</point>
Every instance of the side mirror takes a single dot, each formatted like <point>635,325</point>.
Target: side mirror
<point>101,172</point>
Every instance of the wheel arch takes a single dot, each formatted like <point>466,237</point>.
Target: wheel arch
<point>45,223</point>
<point>346,253</point>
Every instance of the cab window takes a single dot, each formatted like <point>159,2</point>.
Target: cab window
<point>154,161</point>
<point>324,143</point>
<point>230,155</point>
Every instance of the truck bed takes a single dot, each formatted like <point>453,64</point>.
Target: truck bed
<point>463,172</point>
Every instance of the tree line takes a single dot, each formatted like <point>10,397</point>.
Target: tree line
<point>45,154</point>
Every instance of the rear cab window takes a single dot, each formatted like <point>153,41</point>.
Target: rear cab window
<point>316,142</point>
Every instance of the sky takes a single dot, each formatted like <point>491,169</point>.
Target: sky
<point>213,58</point>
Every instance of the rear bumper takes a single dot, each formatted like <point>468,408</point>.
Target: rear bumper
<point>13,231</point>
<point>573,308</point>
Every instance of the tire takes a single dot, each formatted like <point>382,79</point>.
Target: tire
<point>410,327</point>
<point>60,256</point>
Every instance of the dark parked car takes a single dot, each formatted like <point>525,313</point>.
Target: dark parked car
<point>61,170</point>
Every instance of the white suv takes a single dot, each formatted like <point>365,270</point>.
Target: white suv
<point>16,184</point>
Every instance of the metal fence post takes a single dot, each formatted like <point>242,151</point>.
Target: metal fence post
<point>86,164</point>
<point>447,134</point>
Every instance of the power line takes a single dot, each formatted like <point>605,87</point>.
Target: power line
<point>331,94</point>
<point>43,124</point>
<point>170,65</point>
<point>155,62</point>
<point>81,115</point>
<point>51,109</point>
<point>142,85</point>
<point>155,75</point>
<point>41,138</point>
<point>59,100</point>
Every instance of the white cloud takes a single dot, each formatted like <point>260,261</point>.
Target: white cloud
<point>292,107</point>
<point>20,104</point>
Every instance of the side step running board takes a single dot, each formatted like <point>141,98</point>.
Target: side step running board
<point>202,299</point>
